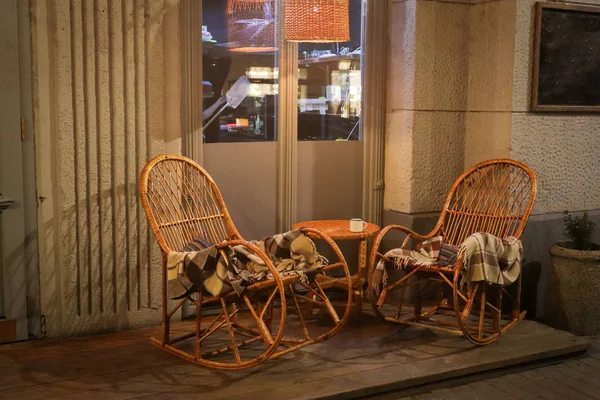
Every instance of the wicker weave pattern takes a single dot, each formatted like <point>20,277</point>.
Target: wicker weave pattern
<point>184,203</point>
<point>494,197</point>
<point>339,229</point>
<point>317,21</point>
<point>237,5</point>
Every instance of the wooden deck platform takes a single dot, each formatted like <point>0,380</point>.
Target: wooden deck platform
<point>361,360</point>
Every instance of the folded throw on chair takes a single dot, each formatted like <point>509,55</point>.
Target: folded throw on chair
<point>234,268</point>
<point>429,252</point>
<point>292,253</point>
<point>491,259</point>
<point>191,271</point>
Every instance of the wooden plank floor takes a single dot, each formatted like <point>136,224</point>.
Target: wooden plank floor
<point>363,359</point>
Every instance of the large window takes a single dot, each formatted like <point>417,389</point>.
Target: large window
<point>240,39</point>
<point>330,85</point>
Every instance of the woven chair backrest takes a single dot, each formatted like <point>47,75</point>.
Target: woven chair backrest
<point>183,203</point>
<point>494,196</point>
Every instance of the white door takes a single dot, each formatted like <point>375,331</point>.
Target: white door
<point>13,308</point>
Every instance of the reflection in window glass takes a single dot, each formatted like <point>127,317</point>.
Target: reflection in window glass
<point>330,85</point>
<point>239,39</point>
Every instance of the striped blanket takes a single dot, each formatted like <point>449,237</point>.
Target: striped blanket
<point>491,259</point>
<point>201,267</point>
<point>485,258</point>
<point>430,252</point>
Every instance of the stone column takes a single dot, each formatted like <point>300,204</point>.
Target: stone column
<point>449,100</point>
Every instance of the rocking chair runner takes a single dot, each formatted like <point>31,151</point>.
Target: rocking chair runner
<point>182,203</point>
<point>494,196</point>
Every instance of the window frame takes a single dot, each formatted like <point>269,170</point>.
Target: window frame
<point>374,45</point>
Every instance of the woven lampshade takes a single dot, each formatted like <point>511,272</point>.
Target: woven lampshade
<point>251,26</point>
<point>246,4</point>
<point>317,21</point>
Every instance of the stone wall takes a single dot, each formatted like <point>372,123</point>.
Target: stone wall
<point>460,79</point>
<point>563,149</point>
<point>450,99</point>
<point>105,92</point>
<point>459,90</point>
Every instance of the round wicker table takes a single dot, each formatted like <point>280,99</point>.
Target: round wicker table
<point>340,230</point>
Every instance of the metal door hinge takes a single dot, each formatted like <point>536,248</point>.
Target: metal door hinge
<point>22,129</point>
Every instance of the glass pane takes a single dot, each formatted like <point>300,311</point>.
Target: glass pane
<point>330,85</point>
<point>240,40</point>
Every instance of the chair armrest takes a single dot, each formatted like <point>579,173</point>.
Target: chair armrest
<point>409,234</point>
<point>317,234</point>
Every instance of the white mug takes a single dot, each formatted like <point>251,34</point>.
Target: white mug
<point>357,225</point>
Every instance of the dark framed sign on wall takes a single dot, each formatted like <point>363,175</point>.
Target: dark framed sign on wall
<point>566,64</point>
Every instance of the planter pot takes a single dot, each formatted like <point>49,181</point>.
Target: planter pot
<point>573,299</point>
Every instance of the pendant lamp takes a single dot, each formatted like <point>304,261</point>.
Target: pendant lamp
<point>317,21</point>
<point>251,26</point>
<point>246,4</point>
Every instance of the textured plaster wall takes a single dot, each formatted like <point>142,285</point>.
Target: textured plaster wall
<point>561,148</point>
<point>459,80</point>
<point>104,75</point>
<point>490,76</point>
<point>450,96</point>
<point>401,86</point>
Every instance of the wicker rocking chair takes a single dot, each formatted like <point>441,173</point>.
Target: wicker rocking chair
<point>495,197</point>
<point>182,203</point>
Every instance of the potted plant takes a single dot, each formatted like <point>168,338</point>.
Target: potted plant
<point>574,281</point>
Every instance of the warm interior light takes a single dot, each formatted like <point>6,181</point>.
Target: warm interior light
<point>344,65</point>
<point>250,49</point>
<point>262,72</point>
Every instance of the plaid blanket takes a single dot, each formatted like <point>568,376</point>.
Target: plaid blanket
<point>485,258</point>
<point>234,268</point>
<point>192,271</point>
<point>430,252</point>
<point>491,259</point>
